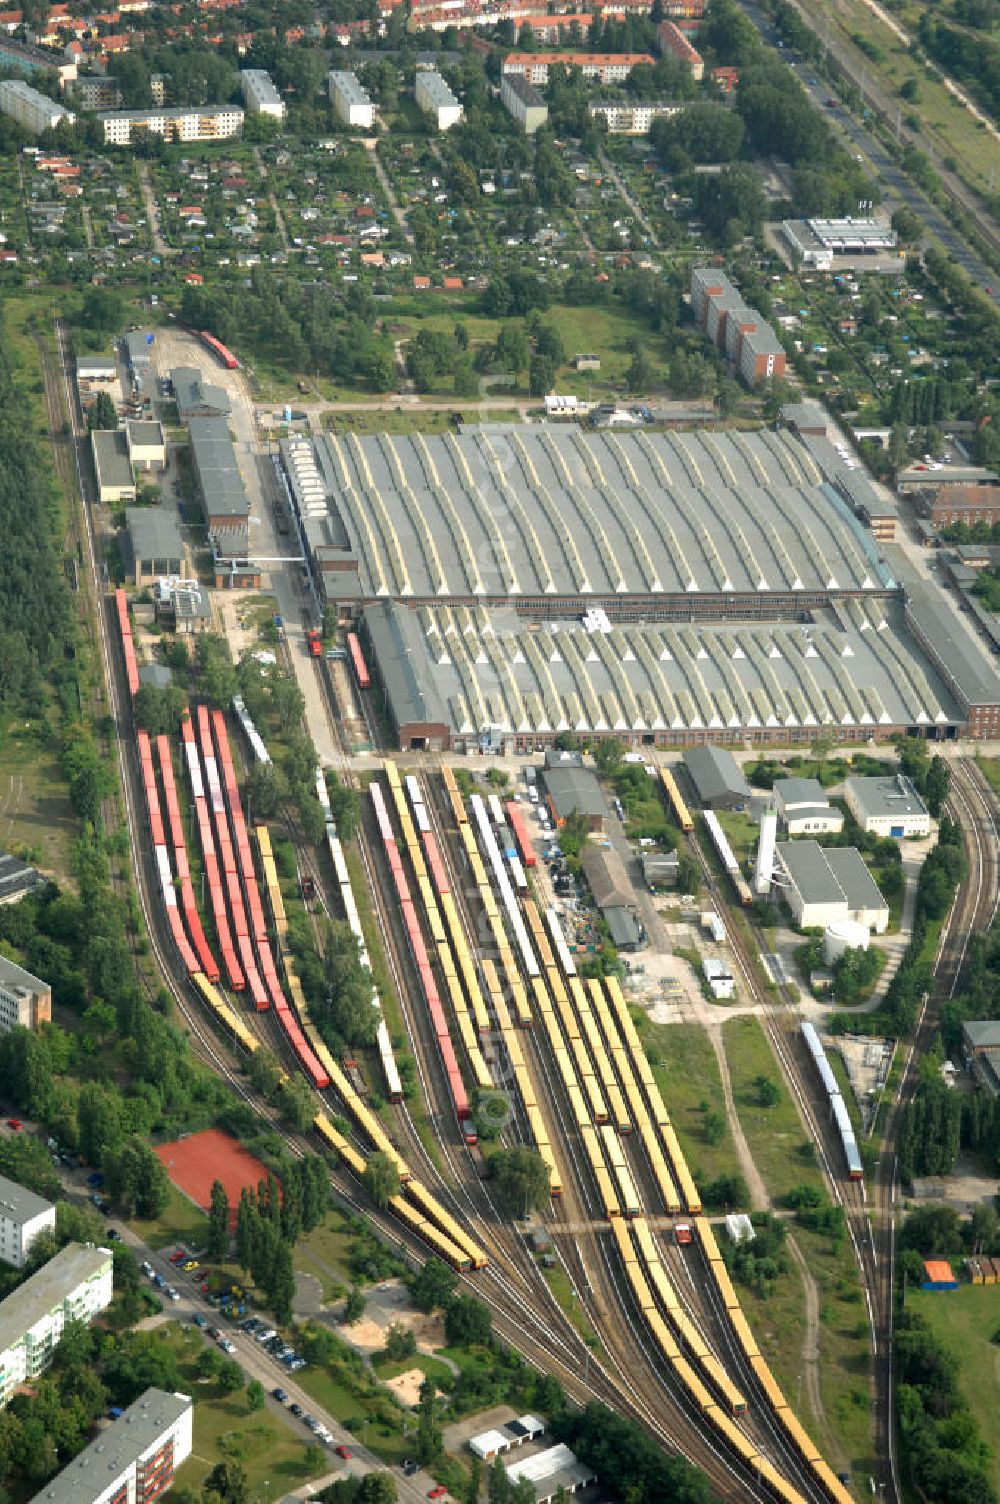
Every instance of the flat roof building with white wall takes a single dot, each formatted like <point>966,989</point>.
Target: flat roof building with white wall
<point>435,98</point>
<point>350,99</point>
<point>631,117</point>
<point>887,806</point>
<point>259,94</point>
<point>821,886</point>
<point>132,1461</point>
<point>23,1218</point>
<point>209,123</point>
<point>75,1285</point>
<point>29,108</point>
<point>25,1002</point>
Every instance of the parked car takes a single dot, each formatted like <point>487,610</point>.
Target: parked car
<point>279,1395</point>
<point>227,1346</point>
<point>344,1452</point>
<point>296,1409</point>
<point>200,1322</point>
<point>266,1335</point>
<point>173,1294</point>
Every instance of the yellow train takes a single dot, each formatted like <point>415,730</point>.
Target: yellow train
<point>271,884</point>
<point>679,809</point>
<point>221,1011</point>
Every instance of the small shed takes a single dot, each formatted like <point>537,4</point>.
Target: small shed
<point>938,1275</point>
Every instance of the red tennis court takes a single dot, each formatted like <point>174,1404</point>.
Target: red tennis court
<point>193,1163</point>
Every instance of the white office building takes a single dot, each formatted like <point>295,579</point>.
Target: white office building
<point>350,99</point>
<point>259,94</point>
<point>132,1461</point>
<point>30,109</point>
<point>805,809</point>
<point>210,123</point>
<point>75,1285</point>
<point>25,1002</point>
<point>435,98</point>
<point>23,1217</point>
<point>887,806</point>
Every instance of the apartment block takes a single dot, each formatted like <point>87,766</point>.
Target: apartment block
<point>132,1461</point>
<point>631,117</point>
<point>435,98</point>
<point>23,1218</point>
<point>350,99</point>
<point>605,67</point>
<point>523,102</point>
<point>259,94</point>
<point>31,110</point>
<point>671,39</point>
<point>210,123</point>
<point>75,1285</point>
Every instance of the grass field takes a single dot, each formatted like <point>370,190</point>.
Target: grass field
<point>774,1134</point>
<point>330,1244</point>
<point>687,1074</point>
<point>181,1222</point>
<point>558,1282</point>
<point>964,1320</point>
<point>843,1367</point>
<point>226,1428</point>
<point>36,817</point>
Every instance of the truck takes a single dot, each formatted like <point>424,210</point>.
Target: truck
<point>314,644</point>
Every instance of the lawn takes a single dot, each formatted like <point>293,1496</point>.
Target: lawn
<point>774,1134</point>
<point>36,818</point>
<point>964,1320</point>
<point>226,1428</point>
<point>558,1282</point>
<point>366,1415</point>
<point>687,1074</point>
<point>843,1367</point>
<point>740,831</point>
<point>433,1368</point>
<point>180,1222</point>
<point>330,1245</point>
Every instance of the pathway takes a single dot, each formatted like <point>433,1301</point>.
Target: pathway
<point>629,199</point>
<point>152,209</point>
<point>389,191</point>
<point>278,217</point>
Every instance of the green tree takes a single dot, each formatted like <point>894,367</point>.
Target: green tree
<point>264,1071</point>
<point>136,1178</point>
<point>354,1306</point>
<point>400,1342</point>
<point>433,1286</point>
<point>936,785</point>
<point>467,1322</point>
<point>768,1094</point>
<point>103,412</point>
<point>429,1439</point>
<point>218,1223</point>
<point>512,349</point>
<point>522,1180</point>
<point>381,1179</point>
<point>255,1395</point>
<point>159,711</point>
<point>265,789</point>
<point>228,1482</point>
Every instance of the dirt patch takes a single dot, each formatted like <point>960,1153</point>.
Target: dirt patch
<point>368,1336</point>
<point>406,1386</point>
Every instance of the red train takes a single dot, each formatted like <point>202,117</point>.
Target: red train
<point>252,930</point>
<point>216,895</point>
<point>515,819</point>
<point>435,863</point>
<point>439,1023</point>
<point>209,965</point>
<point>128,646</point>
<point>358,660</point>
<point>217,348</point>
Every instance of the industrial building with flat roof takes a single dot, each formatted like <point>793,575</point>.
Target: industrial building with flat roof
<point>75,1285</point>
<point>112,465</point>
<point>573,789</point>
<point>132,1461</point>
<point>824,884</point>
<point>551,1471</point>
<point>196,397</point>
<point>887,806</point>
<point>815,242</point>
<point>804,808</point>
<point>24,1217</point>
<point>155,546</point>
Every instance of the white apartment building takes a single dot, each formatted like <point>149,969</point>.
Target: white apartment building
<point>23,1217</point>
<point>132,1461</point>
<point>259,94</point>
<point>631,117</point>
<point>73,1286</point>
<point>33,111</point>
<point>350,99</point>
<point>435,98</point>
<point>606,67</point>
<point>24,1000</point>
<point>210,123</point>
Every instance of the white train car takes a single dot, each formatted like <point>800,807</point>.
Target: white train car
<point>559,943</point>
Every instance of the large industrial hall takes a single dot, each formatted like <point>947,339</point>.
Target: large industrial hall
<point>512,584</point>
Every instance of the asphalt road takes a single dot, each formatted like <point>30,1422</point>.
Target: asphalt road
<point>894,182</point>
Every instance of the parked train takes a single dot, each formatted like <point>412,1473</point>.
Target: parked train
<point>678,808</point>
<point>218,349</point>
<point>838,1107</point>
<point>358,663</point>
<point>727,858</point>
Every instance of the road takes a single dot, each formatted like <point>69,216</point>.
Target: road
<point>891,177</point>
<point>629,199</point>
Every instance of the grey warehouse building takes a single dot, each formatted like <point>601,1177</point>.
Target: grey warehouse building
<point>154,544</point>
<point>666,589</point>
<point>716,776</point>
